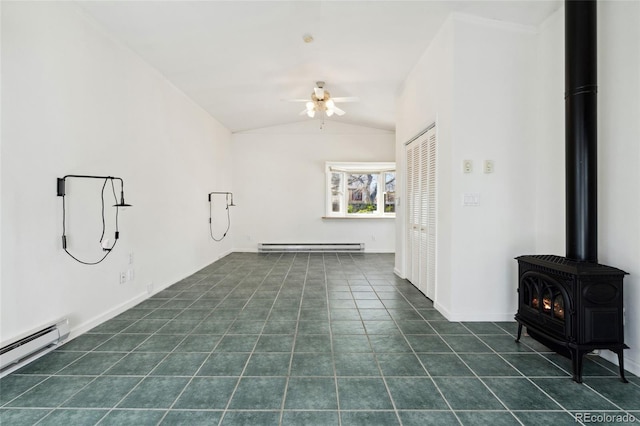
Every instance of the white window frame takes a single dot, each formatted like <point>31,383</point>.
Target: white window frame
<point>378,168</point>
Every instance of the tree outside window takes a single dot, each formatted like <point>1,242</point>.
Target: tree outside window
<point>355,189</point>
<point>363,190</point>
<point>336,192</point>
<point>390,192</point>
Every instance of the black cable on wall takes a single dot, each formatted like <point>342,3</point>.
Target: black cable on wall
<point>61,188</point>
<point>229,203</point>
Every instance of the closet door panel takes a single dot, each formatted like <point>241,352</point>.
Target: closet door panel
<point>431,211</point>
<point>421,212</point>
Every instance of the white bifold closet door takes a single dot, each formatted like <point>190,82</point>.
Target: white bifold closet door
<point>421,212</point>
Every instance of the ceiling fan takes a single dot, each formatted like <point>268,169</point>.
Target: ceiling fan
<point>322,102</point>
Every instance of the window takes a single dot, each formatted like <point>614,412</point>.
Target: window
<point>361,189</point>
<point>390,192</point>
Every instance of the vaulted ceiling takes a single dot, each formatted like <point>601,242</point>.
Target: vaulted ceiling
<point>241,60</point>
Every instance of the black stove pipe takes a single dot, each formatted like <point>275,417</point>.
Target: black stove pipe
<point>581,162</point>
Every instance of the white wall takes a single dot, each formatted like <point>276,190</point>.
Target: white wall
<point>618,151</point>
<point>279,183</point>
<point>506,90</point>
<point>494,80</point>
<point>426,98</point>
<point>619,155</point>
<point>74,101</point>
<point>474,81</point>
<point>550,139</point>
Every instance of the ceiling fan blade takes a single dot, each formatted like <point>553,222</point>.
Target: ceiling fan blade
<point>346,99</point>
<point>337,110</point>
<point>303,112</point>
<point>294,100</point>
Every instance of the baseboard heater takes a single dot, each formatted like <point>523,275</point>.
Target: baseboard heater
<point>20,352</point>
<point>310,247</point>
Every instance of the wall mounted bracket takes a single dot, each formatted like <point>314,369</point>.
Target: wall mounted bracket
<point>61,192</point>
<point>229,201</point>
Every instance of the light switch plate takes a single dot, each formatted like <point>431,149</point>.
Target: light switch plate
<point>471,199</point>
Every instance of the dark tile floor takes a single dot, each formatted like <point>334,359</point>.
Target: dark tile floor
<point>299,339</point>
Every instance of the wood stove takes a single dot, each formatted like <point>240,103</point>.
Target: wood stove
<point>573,304</point>
<point>572,307</point>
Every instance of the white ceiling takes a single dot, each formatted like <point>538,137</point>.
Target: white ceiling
<point>240,60</point>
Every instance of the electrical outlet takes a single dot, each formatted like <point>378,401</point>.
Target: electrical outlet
<point>488,166</point>
<point>123,277</point>
<point>467,166</point>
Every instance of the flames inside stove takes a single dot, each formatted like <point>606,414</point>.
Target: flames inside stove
<point>556,308</point>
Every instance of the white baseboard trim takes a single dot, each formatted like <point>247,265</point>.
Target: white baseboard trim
<point>473,316</point>
<point>97,320</point>
<point>629,364</point>
<point>399,273</point>
<point>255,250</point>
<point>223,254</point>
<point>444,311</point>
<point>481,317</point>
<point>245,250</point>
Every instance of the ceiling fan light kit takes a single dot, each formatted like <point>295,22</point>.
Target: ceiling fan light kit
<point>322,103</point>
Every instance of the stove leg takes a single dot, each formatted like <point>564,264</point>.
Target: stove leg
<point>519,332</point>
<point>576,363</point>
<point>621,364</point>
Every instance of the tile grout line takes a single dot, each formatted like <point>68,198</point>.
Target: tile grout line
<point>375,354</point>
<point>561,368</point>
<point>195,374</point>
<point>142,378</point>
<point>420,361</point>
<point>475,376</point>
<point>522,374</point>
<point>251,292</point>
<point>332,347</point>
<point>242,375</point>
<point>251,353</point>
<point>428,374</point>
<point>295,337</point>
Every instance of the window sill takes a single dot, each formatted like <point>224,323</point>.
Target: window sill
<point>358,217</point>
